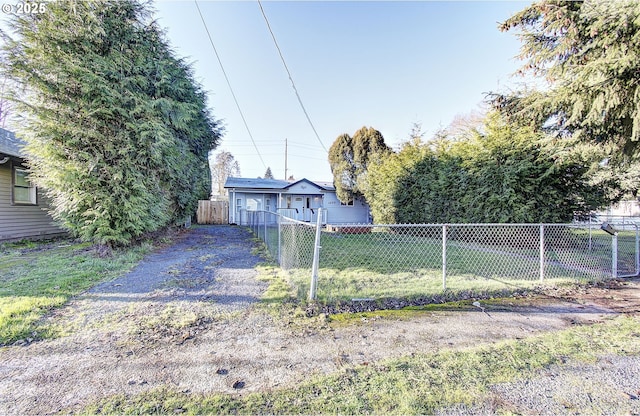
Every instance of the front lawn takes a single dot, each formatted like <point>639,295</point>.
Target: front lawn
<point>409,263</point>
<point>36,277</point>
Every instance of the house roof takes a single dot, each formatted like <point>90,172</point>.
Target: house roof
<point>10,145</point>
<point>272,184</point>
<point>326,185</point>
<point>255,183</point>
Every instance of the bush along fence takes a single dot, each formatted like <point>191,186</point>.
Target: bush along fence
<point>370,261</point>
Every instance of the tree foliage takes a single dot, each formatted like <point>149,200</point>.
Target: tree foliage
<point>117,130</point>
<point>349,158</point>
<point>224,166</point>
<point>502,174</point>
<point>268,174</point>
<point>5,103</point>
<point>589,53</point>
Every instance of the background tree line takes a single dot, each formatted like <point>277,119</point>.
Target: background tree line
<point>494,173</point>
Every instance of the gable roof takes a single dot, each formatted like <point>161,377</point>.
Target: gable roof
<point>272,184</point>
<point>10,145</point>
<point>320,185</point>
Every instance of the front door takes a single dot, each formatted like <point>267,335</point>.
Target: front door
<point>297,203</point>
<point>304,208</point>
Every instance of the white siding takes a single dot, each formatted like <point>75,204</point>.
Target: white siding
<point>358,213</point>
<point>252,201</point>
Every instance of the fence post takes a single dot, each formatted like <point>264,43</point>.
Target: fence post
<point>637,250</point>
<point>444,257</point>
<point>542,252</point>
<point>614,255</point>
<point>316,258</point>
<point>279,223</point>
<point>264,215</point>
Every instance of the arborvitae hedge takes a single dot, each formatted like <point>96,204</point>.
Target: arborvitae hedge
<point>118,131</point>
<point>505,174</point>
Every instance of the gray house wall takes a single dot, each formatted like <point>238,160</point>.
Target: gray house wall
<point>20,221</point>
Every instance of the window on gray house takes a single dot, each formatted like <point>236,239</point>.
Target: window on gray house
<point>347,204</point>
<point>24,192</point>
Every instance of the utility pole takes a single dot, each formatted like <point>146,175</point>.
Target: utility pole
<point>285,160</point>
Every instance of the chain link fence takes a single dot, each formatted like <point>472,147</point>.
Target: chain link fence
<point>290,242</point>
<point>364,261</point>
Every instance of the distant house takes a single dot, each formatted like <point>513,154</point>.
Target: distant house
<point>23,207</point>
<point>299,200</point>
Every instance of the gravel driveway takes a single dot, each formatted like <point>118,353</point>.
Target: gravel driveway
<point>185,318</point>
<point>213,264</point>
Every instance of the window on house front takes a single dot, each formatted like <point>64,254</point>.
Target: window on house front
<point>23,190</point>
<point>345,204</point>
<point>254,204</point>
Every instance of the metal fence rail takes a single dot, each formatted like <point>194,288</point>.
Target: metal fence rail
<point>408,260</point>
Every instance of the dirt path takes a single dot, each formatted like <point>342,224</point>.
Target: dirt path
<point>186,318</point>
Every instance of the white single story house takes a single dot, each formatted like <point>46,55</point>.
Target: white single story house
<point>299,200</point>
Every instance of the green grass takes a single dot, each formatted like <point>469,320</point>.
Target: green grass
<point>419,384</point>
<point>384,264</point>
<point>38,277</point>
<point>279,290</point>
<point>346,285</point>
<point>268,235</point>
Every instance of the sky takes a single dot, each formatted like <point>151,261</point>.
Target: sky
<point>380,64</point>
<point>385,65</point>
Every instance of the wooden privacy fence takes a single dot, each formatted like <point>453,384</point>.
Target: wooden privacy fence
<point>213,212</point>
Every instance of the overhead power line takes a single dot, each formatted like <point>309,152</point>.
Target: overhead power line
<point>304,110</point>
<point>229,83</point>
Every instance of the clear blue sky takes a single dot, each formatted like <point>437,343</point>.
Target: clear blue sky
<point>379,64</point>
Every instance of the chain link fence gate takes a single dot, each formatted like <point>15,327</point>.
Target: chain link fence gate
<point>365,261</point>
<point>628,249</point>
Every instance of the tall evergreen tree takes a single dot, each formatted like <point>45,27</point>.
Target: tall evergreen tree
<point>589,53</point>
<point>349,158</point>
<point>117,130</point>
<point>268,174</point>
